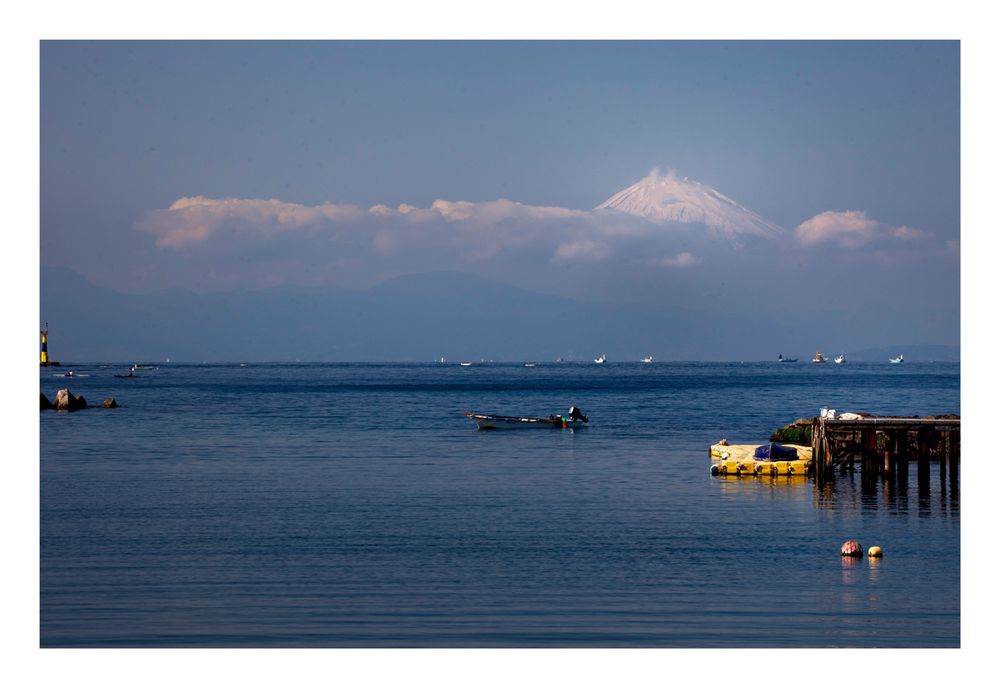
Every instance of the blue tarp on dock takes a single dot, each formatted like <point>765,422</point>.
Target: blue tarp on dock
<point>772,451</point>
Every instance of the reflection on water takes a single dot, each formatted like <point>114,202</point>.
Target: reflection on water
<point>890,493</point>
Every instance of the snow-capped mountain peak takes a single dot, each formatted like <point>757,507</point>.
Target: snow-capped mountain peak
<point>667,198</point>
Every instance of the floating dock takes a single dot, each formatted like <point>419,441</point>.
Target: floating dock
<point>738,459</point>
<point>881,447</point>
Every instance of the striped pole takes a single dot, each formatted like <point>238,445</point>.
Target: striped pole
<point>45,353</point>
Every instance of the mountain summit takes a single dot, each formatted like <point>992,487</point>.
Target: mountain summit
<point>665,198</point>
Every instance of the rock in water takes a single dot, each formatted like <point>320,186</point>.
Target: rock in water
<point>799,432</point>
<point>66,401</point>
<point>110,403</point>
<point>46,404</point>
<point>63,397</point>
<point>851,548</point>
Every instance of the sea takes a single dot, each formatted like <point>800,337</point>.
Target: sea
<point>354,505</point>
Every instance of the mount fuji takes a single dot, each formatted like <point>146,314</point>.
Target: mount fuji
<point>668,199</point>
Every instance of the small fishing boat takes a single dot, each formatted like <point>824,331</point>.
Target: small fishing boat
<point>530,365</point>
<point>646,359</point>
<point>782,359</point>
<point>600,359</point>
<point>71,374</point>
<point>840,359</point>
<point>465,364</point>
<point>898,359</point>
<point>136,366</point>
<point>819,358</point>
<point>486,421</point>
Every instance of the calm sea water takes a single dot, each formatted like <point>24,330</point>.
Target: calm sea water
<point>354,505</point>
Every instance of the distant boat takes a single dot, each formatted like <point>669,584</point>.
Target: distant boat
<point>559,360</point>
<point>646,359</point>
<point>840,359</point>
<point>441,360</point>
<point>465,364</point>
<point>530,365</point>
<point>782,359</point>
<point>571,419</point>
<point>136,366</point>
<point>898,359</point>
<point>819,358</point>
<point>600,359</point>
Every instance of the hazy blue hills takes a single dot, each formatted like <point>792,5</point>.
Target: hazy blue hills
<point>413,318</point>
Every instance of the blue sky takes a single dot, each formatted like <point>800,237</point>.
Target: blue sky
<point>557,123</point>
<point>794,131</point>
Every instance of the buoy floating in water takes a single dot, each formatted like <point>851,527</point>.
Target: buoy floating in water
<point>875,551</point>
<point>851,548</point>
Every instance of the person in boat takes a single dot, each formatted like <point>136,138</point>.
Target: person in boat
<point>573,414</point>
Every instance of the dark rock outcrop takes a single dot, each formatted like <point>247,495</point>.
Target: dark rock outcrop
<point>67,401</point>
<point>46,404</point>
<point>110,403</point>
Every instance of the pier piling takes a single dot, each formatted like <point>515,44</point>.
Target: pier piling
<point>883,447</point>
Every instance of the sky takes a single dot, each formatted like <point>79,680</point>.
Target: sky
<point>223,165</point>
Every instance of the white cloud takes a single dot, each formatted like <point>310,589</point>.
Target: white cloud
<point>852,229</point>
<point>910,234</point>
<point>457,234</point>
<point>681,260</point>
<point>195,219</point>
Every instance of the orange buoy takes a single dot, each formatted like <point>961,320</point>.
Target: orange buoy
<point>851,548</point>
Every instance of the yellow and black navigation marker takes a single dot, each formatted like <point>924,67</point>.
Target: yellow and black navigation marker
<point>45,354</point>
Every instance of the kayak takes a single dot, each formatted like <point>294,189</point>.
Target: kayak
<point>487,421</point>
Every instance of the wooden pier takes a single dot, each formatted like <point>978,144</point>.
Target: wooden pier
<point>883,447</point>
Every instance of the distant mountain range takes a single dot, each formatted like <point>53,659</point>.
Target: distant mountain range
<point>413,318</point>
